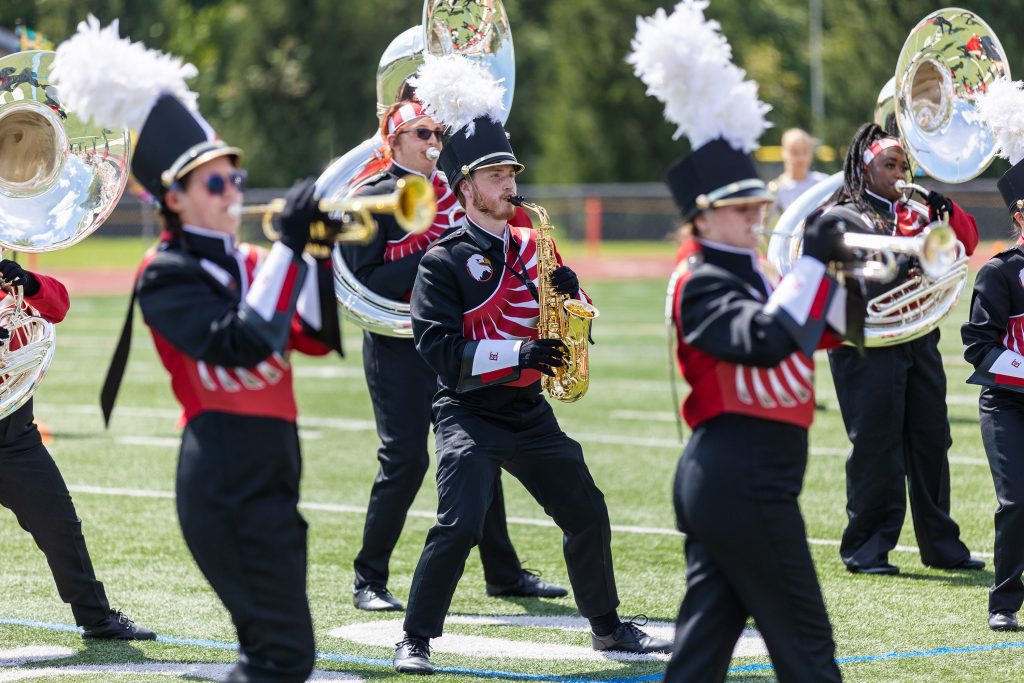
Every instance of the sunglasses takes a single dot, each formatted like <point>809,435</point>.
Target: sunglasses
<point>216,184</point>
<point>425,133</point>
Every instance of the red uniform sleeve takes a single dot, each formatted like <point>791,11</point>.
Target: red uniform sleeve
<point>51,300</point>
<point>302,342</point>
<point>965,227</point>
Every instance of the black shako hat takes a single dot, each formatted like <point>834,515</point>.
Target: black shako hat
<point>1011,186</point>
<point>713,175</point>
<point>173,141</point>
<point>464,153</point>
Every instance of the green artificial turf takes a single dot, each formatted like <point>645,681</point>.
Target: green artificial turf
<point>122,479</point>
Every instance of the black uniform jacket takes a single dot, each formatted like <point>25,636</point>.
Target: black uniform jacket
<point>994,336</point>
<point>223,317</point>
<point>388,263</point>
<point>473,304</point>
<point>743,347</point>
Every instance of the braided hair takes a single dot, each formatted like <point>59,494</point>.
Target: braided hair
<point>854,185</point>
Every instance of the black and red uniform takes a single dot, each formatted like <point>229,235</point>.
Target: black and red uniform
<point>745,350</point>
<point>472,308</point>
<point>994,345</point>
<point>401,387</point>
<point>33,489</point>
<point>893,402</point>
<point>224,318</point>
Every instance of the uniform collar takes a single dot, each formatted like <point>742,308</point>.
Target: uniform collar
<point>880,204</point>
<point>743,263</point>
<point>402,171</point>
<point>209,244</point>
<point>487,240</point>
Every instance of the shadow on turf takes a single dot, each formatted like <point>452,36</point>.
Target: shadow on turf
<point>982,578</point>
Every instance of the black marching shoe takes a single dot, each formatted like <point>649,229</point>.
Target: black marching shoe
<point>1003,621</point>
<point>413,656</point>
<point>373,599</point>
<point>627,637</point>
<point>883,569</point>
<point>971,564</point>
<point>117,626</point>
<point>530,585</point>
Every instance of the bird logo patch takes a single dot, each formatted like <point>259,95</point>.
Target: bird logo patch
<point>479,267</point>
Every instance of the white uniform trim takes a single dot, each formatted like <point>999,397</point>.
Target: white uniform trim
<point>495,354</point>
<point>308,304</point>
<point>1009,363</point>
<point>797,291</point>
<point>268,282</point>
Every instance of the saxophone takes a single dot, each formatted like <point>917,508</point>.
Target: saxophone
<point>561,317</point>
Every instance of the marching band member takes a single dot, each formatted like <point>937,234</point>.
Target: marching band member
<point>893,398</point>
<point>33,489</point>
<point>474,314</point>
<point>224,316</point>
<point>994,343</point>
<point>402,385</point>
<point>745,350</point>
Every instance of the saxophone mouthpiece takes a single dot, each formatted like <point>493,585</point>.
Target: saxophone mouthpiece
<point>516,199</point>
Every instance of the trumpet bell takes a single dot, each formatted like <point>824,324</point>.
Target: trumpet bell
<point>60,177</point>
<point>947,61</point>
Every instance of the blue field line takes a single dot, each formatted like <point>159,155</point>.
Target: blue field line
<point>513,676</point>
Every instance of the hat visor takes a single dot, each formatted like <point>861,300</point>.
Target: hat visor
<point>754,195</point>
<point>210,155</point>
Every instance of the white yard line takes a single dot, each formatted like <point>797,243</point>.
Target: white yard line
<point>423,514</point>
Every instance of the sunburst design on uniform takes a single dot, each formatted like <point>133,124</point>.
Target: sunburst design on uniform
<point>510,312</point>
<point>449,214</point>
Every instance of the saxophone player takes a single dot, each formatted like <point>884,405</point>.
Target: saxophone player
<point>474,314</point>
<point>402,385</point>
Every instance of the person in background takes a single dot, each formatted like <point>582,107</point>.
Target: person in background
<point>797,176</point>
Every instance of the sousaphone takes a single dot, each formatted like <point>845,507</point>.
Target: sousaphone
<point>947,61</point>
<point>59,180</point>
<point>477,29</point>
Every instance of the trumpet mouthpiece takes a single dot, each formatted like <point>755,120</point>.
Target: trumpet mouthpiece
<point>235,210</point>
<point>433,153</point>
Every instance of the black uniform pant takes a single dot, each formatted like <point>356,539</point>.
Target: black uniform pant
<point>1002,433</point>
<point>893,401</point>
<point>524,438</point>
<point>32,487</point>
<point>237,495</point>
<point>401,388</point>
<point>735,497</point>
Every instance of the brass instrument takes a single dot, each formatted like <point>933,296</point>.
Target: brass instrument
<point>477,30</point>
<point>60,177</point>
<point>561,317</point>
<point>413,205</point>
<point>936,248</point>
<point>937,116</point>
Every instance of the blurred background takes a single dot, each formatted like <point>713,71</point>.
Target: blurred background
<point>292,82</point>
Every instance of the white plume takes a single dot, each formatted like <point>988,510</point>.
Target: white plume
<point>686,63</point>
<point>455,90</point>
<point>113,81</point>
<point>1001,107</point>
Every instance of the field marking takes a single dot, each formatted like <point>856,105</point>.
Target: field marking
<point>508,675</point>
<point>12,658</point>
<point>422,514</point>
<point>383,633</point>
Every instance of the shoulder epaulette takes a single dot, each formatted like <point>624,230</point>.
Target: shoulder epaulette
<point>457,232</point>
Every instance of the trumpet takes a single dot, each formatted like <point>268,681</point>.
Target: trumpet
<point>936,248</point>
<point>413,204</point>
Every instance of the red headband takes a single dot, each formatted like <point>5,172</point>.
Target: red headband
<point>877,146</point>
<point>407,113</point>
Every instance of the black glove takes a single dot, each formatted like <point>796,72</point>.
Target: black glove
<point>543,355</point>
<point>300,209</point>
<point>564,280</point>
<point>823,238</point>
<point>14,274</point>
<point>939,204</point>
